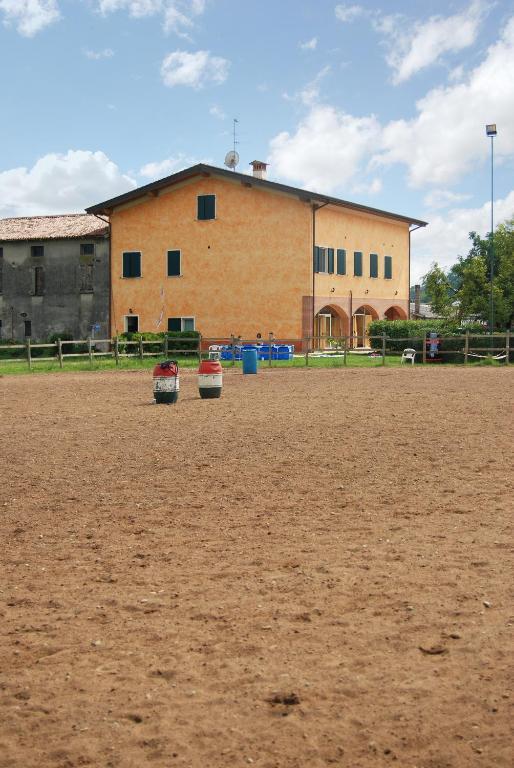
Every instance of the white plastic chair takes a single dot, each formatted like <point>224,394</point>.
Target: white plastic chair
<point>408,354</point>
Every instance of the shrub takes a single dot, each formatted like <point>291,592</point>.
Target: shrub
<point>410,333</point>
<point>177,340</point>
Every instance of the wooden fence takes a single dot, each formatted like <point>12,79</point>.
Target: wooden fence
<point>307,348</point>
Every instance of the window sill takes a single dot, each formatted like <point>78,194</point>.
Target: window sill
<point>130,277</point>
<point>172,276</point>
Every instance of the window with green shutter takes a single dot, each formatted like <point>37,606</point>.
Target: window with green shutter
<point>330,261</point>
<point>373,265</point>
<point>341,261</point>
<point>132,264</point>
<point>357,263</point>
<point>173,263</point>
<point>206,207</point>
<point>315,258</point>
<point>388,267</point>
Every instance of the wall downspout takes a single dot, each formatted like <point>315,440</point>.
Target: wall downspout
<point>408,292</point>
<point>313,260</point>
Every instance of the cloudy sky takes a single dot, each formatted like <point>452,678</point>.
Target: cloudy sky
<point>380,103</point>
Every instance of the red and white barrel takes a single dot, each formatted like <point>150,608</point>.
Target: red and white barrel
<point>210,379</point>
<point>166,383</point>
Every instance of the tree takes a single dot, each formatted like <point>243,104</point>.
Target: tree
<point>464,291</point>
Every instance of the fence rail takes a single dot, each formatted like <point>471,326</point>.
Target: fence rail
<point>309,349</point>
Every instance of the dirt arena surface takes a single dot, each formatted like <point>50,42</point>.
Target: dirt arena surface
<point>315,570</point>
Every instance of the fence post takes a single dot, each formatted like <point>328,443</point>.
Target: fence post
<point>270,343</point>
<point>383,347</point>
<point>345,350</point>
<point>90,350</point>
<point>29,357</point>
<point>233,362</point>
<point>141,348</point>
<point>466,347</point>
<point>117,350</point>
<point>59,352</point>
<point>165,349</point>
<point>507,347</point>
<point>199,348</point>
<point>424,349</point>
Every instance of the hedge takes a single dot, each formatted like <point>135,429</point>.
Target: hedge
<point>411,332</point>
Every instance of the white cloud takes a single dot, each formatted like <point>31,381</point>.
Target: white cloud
<point>29,16</point>
<point>413,47</point>
<point>326,150</point>
<point>309,45</point>
<point>446,237</point>
<point>107,53</point>
<point>63,183</point>
<point>177,15</point>
<point>217,112</point>
<point>309,94</point>
<point>161,168</point>
<point>193,69</point>
<point>348,13</point>
<point>447,137</point>
<point>443,198</point>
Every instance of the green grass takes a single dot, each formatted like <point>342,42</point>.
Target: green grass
<point>135,364</point>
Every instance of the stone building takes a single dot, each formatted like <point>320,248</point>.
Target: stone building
<point>54,277</point>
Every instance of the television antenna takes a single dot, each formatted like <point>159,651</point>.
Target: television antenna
<point>232,157</point>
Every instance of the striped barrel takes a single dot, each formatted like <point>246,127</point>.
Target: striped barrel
<point>210,379</point>
<point>166,383</point>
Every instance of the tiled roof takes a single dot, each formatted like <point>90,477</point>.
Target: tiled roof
<point>67,225</point>
<point>201,169</point>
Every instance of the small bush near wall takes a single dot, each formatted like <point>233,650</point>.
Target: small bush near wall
<point>410,332</point>
<point>177,340</point>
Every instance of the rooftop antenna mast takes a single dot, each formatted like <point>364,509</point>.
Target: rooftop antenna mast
<point>232,157</point>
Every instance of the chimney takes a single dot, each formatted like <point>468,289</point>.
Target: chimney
<point>259,169</point>
<point>417,308</point>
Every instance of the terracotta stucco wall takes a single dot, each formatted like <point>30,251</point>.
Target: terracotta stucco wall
<point>354,231</point>
<point>245,272</point>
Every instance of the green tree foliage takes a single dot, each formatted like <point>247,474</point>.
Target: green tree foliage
<point>464,291</point>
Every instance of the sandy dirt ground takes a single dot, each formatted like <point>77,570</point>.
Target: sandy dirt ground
<point>314,570</point>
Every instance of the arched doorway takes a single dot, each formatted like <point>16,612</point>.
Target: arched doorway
<point>395,313</point>
<point>362,317</point>
<point>331,322</point>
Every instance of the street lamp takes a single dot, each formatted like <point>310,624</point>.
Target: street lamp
<point>492,132</point>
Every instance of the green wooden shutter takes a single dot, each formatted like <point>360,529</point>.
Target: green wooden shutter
<point>322,260</point>
<point>330,266</point>
<point>388,267</point>
<point>357,263</point>
<point>173,263</point>
<point>210,206</point>
<point>131,264</point>
<point>201,207</point>
<point>174,324</point>
<point>315,259</point>
<point>341,261</point>
<point>373,265</point>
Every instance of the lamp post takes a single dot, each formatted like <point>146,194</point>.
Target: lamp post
<point>492,132</point>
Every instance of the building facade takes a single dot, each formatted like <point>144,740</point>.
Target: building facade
<point>227,253</point>
<point>54,277</point>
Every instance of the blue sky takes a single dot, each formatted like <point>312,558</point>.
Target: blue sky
<point>381,103</point>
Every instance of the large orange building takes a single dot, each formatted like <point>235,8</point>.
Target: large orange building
<point>228,253</point>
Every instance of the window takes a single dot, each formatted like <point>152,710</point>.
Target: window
<point>131,323</point>
<point>388,267</point>
<point>320,259</point>
<point>1,270</point>
<point>173,263</point>
<point>373,265</point>
<point>86,278</point>
<point>341,261</point>
<point>38,251</point>
<point>330,261</point>
<point>357,263</point>
<point>87,249</point>
<point>206,207</point>
<point>132,264</point>
<point>28,327</point>
<point>181,324</point>
<point>39,281</point>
